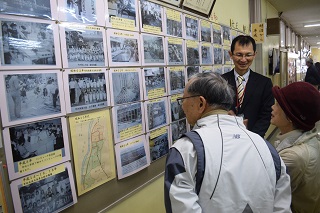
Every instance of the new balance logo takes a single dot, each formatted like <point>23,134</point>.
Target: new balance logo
<point>236,136</point>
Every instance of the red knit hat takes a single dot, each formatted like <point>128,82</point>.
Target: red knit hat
<point>300,101</point>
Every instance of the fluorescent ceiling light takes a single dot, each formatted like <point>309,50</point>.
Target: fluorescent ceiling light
<point>318,42</point>
<point>312,25</point>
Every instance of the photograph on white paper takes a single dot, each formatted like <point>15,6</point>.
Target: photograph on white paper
<point>216,34</point>
<point>82,46</point>
<point>128,121</point>
<point>175,48</point>
<point>158,143</point>
<point>86,89</point>
<point>226,35</point>
<point>177,80</point>
<point>173,22</point>
<point>29,44</point>
<point>193,56</point>
<point>122,14</point>
<point>206,53</point>
<point>178,128</point>
<point>154,82</point>
<point>92,146</point>
<point>35,146</point>
<point>51,190</point>
<point>156,111</point>
<point>226,55</point>
<point>192,70</point>
<point>218,69</point>
<point>205,30</point>
<point>45,9</point>
<point>31,95</point>
<point>217,54</point>
<point>227,68</point>
<point>151,17</point>
<point>132,156</point>
<point>126,85</point>
<point>205,69</point>
<point>192,27</point>
<point>123,48</point>
<point>153,50</point>
<point>176,109</point>
<point>82,11</point>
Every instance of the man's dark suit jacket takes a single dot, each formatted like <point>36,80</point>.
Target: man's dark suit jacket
<point>257,102</point>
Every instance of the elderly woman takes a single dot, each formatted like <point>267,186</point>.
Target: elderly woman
<point>297,113</point>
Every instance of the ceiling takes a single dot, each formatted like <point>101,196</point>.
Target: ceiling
<point>297,13</point>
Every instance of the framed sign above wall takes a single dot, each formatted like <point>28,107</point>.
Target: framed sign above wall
<point>200,7</point>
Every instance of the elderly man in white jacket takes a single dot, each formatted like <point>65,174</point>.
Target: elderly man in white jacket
<point>227,169</point>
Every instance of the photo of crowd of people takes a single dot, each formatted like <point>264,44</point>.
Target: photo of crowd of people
<point>124,50</point>
<point>151,14</point>
<point>84,48</point>
<point>153,49</point>
<point>27,43</point>
<point>31,95</point>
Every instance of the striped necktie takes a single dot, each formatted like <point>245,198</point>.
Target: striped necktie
<point>240,90</point>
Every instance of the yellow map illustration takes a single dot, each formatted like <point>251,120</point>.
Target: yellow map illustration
<point>92,146</point>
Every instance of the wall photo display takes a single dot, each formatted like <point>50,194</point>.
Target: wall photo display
<point>174,23</point>
<point>151,17</point>
<point>192,27</point>
<point>86,89</point>
<point>128,120</point>
<point>218,69</point>
<point>193,56</point>
<point>206,53</point>
<point>125,85</point>
<point>122,14</point>
<point>178,128</point>
<point>226,55</point>
<point>86,12</point>
<point>154,82</point>
<point>217,54</point>
<point>226,35</point>
<point>203,7</point>
<point>158,143</point>
<point>31,95</point>
<point>177,79</point>
<point>35,146</point>
<point>29,44</point>
<point>192,70</point>
<point>123,48</point>
<point>205,31</point>
<point>204,69</point>
<point>83,46</point>
<point>216,34</point>
<point>45,9</point>
<point>156,113</point>
<point>175,51</point>
<point>153,50</point>
<point>51,190</point>
<point>175,109</point>
<point>132,156</point>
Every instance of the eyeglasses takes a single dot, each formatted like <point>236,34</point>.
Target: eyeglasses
<point>180,100</point>
<point>247,56</point>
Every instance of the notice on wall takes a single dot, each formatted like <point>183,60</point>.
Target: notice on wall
<point>257,31</point>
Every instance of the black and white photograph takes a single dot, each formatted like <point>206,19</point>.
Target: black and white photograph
<point>51,190</point>
<point>154,82</point>
<point>226,35</point>
<point>192,27</point>
<point>80,11</point>
<point>153,50</point>
<point>128,121</point>
<point>191,70</point>
<point>177,80</point>
<point>217,54</point>
<point>193,56</point>
<point>176,109</point>
<point>156,113</point>
<point>218,69</point>
<point>122,14</point>
<point>175,51</point>
<point>151,18</point>
<point>205,69</point>
<point>126,85</point>
<point>44,143</point>
<point>226,56</point>
<point>132,156</point>
<point>227,68</point>
<point>83,46</point>
<point>205,31</point>
<point>206,53</point>
<point>123,48</point>
<point>86,89</point>
<point>45,9</point>
<point>158,143</point>
<point>173,23</point>
<point>31,95</point>
<point>216,34</point>
<point>28,44</point>
<point>178,128</point>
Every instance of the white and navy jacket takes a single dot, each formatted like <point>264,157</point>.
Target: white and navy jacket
<point>238,176</point>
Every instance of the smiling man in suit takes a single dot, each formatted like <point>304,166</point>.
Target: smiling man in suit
<point>253,96</point>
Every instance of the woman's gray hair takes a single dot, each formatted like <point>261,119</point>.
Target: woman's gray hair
<point>217,92</point>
